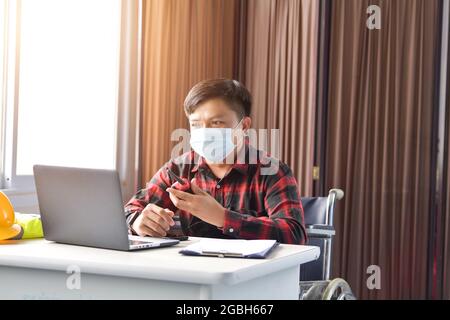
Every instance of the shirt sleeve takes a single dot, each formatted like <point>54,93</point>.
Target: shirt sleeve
<point>284,221</point>
<point>154,192</point>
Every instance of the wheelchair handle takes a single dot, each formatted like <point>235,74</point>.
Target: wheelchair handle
<point>339,193</point>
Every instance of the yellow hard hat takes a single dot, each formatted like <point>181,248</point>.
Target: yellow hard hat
<point>8,229</point>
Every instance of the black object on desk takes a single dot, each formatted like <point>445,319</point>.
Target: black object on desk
<point>184,184</point>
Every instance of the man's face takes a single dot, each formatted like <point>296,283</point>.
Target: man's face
<point>213,113</point>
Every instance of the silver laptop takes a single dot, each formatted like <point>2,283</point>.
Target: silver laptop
<point>84,207</point>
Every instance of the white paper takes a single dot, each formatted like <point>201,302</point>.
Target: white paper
<point>231,246</point>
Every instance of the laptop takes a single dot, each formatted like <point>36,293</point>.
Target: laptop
<point>84,207</point>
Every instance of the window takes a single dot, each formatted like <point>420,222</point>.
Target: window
<point>68,83</point>
<point>2,47</point>
<point>2,81</point>
<point>69,90</point>
<point>62,84</point>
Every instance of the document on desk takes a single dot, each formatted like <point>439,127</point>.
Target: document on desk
<point>258,249</point>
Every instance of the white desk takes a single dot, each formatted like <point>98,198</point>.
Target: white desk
<point>37,269</point>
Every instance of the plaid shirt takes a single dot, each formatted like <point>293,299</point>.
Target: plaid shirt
<point>257,206</point>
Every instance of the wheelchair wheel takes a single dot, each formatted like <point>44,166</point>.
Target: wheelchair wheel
<point>338,289</point>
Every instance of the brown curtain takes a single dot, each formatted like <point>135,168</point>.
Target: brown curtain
<point>379,142</point>
<point>446,195</point>
<point>379,111</point>
<point>259,42</point>
<point>280,70</point>
<point>446,265</point>
<point>183,42</point>
<point>446,220</point>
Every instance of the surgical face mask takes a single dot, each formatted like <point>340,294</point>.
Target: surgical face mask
<point>213,144</point>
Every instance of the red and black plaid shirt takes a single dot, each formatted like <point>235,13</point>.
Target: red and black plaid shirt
<point>258,206</point>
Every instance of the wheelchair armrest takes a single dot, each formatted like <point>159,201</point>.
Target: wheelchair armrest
<point>320,231</point>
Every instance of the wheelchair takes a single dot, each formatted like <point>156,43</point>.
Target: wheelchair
<point>315,283</point>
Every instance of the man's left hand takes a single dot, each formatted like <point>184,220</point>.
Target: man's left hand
<point>200,204</point>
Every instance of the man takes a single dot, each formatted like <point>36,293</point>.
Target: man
<point>230,198</point>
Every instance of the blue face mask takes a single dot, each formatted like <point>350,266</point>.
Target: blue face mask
<point>213,144</point>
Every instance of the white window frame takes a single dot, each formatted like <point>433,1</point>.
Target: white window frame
<point>127,137</point>
<point>128,116</point>
<point>10,101</point>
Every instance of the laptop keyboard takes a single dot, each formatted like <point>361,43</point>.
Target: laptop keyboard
<point>142,240</point>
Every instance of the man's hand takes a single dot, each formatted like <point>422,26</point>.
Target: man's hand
<point>200,204</point>
<point>153,221</point>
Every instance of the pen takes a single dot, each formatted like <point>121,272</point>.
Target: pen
<point>223,254</point>
<point>186,186</point>
<point>175,177</point>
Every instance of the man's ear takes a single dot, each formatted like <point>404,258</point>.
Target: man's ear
<point>246,123</point>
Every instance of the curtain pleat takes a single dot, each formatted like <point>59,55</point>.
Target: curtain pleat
<point>446,249</point>
<point>183,42</point>
<point>446,200</point>
<point>379,142</point>
<point>280,71</point>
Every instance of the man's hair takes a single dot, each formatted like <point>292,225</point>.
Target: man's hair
<point>230,91</point>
